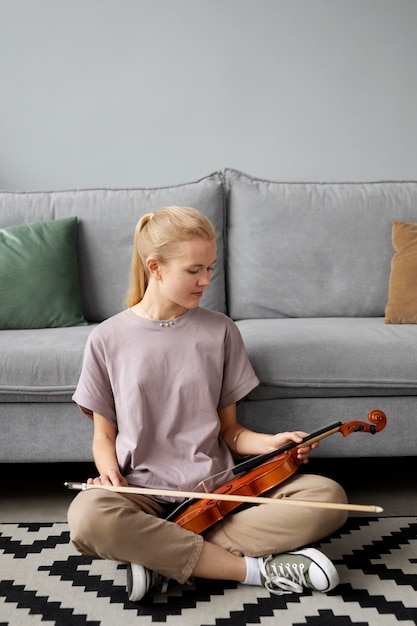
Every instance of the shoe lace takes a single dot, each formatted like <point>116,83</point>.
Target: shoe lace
<point>281,578</point>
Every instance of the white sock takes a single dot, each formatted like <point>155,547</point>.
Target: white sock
<point>253,575</point>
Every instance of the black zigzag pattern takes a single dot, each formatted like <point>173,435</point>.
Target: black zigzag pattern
<point>370,560</point>
<point>21,551</point>
<point>40,605</point>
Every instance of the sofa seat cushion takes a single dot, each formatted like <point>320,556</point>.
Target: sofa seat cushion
<point>41,365</point>
<point>331,357</point>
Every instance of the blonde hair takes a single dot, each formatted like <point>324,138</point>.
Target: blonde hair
<point>157,236</point>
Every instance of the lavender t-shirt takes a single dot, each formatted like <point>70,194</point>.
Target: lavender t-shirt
<point>161,387</point>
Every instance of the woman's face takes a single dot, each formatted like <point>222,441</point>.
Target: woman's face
<point>184,278</point>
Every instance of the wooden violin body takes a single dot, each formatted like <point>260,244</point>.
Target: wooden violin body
<point>202,514</point>
<point>259,475</point>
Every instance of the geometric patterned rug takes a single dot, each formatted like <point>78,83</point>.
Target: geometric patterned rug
<point>45,581</point>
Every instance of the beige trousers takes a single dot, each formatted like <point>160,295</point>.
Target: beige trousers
<point>128,527</point>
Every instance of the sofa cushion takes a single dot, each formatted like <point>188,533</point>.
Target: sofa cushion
<point>39,286</point>
<point>311,249</point>
<point>402,295</point>
<point>326,357</point>
<point>106,224</point>
<point>41,365</point>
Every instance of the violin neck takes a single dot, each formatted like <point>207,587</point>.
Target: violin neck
<point>256,461</point>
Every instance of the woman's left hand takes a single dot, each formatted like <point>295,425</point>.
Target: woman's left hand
<point>281,439</point>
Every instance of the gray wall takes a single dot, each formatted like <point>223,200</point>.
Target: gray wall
<point>154,92</point>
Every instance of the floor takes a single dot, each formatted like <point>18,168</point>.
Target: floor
<point>36,492</point>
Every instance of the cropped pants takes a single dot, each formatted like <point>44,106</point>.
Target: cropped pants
<point>129,527</point>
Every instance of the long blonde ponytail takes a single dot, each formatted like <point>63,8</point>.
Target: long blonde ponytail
<point>138,274</point>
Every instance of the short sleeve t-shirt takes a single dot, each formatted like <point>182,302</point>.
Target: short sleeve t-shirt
<point>161,387</point>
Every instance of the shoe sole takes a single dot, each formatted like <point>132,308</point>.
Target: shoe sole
<point>137,585</point>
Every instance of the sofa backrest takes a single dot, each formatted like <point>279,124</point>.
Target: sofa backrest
<point>311,249</point>
<point>106,224</point>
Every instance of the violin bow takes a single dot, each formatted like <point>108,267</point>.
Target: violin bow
<point>365,508</point>
<point>377,421</point>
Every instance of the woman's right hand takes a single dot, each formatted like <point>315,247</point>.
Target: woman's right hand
<point>113,478</point>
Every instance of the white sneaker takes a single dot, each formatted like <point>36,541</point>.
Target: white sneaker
<point>292,571</point>
<point>141,580</point>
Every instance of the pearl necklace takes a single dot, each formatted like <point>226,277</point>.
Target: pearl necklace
<point>162,323</point>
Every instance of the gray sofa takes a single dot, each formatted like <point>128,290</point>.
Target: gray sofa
<point>303,268</point>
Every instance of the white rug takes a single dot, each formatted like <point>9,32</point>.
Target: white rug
<point>45,581</point>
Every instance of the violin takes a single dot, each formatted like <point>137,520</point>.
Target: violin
<point>260,474</point>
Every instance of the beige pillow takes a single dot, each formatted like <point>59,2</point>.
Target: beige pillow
<point>402,294</point>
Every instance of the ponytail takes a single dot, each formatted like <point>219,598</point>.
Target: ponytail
<point>138,272</point>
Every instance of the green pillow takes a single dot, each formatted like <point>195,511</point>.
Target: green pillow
<point>39,275</point>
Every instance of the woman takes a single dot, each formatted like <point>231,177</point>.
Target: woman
<point>161,381</point>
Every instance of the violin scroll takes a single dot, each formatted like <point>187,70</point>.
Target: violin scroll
<point>377,419</point>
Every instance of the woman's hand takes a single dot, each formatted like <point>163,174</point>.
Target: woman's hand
<point>112,477</point>
<point>281,439</point>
